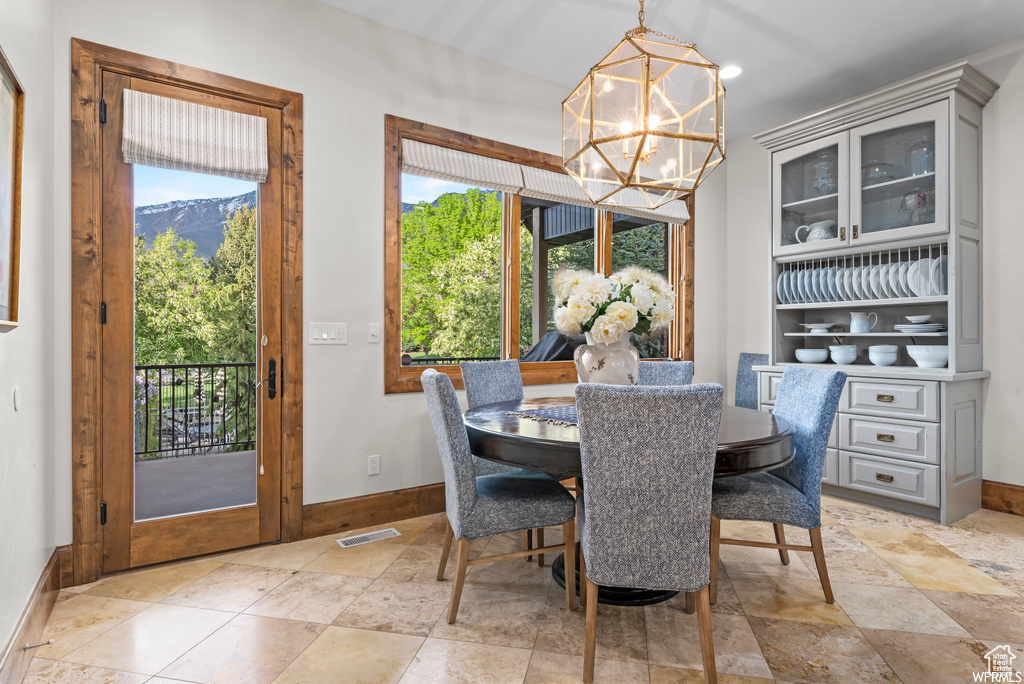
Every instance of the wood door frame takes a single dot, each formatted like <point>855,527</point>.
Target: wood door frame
<point>88,61</point>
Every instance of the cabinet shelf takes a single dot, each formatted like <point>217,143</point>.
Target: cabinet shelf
<point>870,334</point>
<point>897,187</point>
<point>813,205</point>
<point>904,301</point>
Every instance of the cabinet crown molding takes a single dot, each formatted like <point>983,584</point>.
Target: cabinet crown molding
<point>959,77</point>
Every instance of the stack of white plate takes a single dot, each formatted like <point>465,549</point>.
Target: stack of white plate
<point>920,327</point>
<point>925,277</point>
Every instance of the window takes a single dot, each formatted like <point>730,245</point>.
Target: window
<point>474,231</point>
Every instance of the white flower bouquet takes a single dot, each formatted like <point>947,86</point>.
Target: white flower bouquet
<point>633,300</point>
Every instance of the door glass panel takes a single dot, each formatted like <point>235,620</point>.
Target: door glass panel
<point>638,242</point>
<point>195,421</point>
<point>898,178</point>
<point>810,197</point>
<point>551,235</point>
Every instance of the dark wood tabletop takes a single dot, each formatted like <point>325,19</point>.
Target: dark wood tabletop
<point>749,441</point>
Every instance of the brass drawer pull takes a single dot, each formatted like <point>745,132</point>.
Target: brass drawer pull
<point>885,438</point>
<point>842,232</point>
<point>885,398</point>
<point>883,478</point>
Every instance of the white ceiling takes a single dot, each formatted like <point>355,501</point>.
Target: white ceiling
<point>797,55</point>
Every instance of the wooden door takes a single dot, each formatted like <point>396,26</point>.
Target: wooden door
<point>127,540</point>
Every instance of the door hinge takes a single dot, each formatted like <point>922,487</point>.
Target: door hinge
<point>103,513</point>
<point>103,111</point>
<point>103,313</point>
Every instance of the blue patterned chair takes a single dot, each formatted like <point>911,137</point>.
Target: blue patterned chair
<point>488,505</point>
<point>642,524</point>
<point>746,379</point>
<point>790,495</point>
<point>664,373</point>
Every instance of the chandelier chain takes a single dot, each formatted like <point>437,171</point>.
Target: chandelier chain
<point>642,31</point>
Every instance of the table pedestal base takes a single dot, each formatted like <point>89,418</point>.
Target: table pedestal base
<point>614,596</point>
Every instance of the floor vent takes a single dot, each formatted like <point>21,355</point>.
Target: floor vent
<point>369,537</point>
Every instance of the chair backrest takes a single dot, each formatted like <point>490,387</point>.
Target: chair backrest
<point>488,382</point>
<point>746,379</point>
<point>453,443</point>
<point>648,456</point>
<point>664,373</point>
<point>807,400</point>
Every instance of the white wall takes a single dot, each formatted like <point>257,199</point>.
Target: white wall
<point>27,504</point>
<point>750,289</point>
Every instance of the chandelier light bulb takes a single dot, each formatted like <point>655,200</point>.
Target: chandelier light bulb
<point>626,127</point>
<point>731,71</point>
<point>653,120</point>
<point>607,87</point>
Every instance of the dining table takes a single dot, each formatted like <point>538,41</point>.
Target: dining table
<point>513,433</point>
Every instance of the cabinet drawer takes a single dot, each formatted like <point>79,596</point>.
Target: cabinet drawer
<point>896,398</point>
<point>830,473</point>
<point>896,479</point>
<point>899,438</point>
<point>769,387</point>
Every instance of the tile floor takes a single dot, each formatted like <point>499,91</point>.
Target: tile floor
<point>915,602</point>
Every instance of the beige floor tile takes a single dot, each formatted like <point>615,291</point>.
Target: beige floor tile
<point>986,617</point>
<point>223,557</point>
<point>1003,524</point>
<point>620,631</point>
<point>896,608</point>
<point>1009,576</point>
<point>969,540</point>
<point>441,661</point>
<point>419,564</point>
<point>230,587</point>
<point>662,674</point>
<point>293,556</point>
<point>786,599</point>
<point>727,602</point>
<point>827,519</point>
<point>945,574</point>
<point>834,538</point>
<point>310,597</point>
<point>928,658</point>
<point>352,656</point>
<point>152,640</point>
<point>497,618</point>
<point>513,575</point>
<point>856,567</point>
<point>673,640</point>
<point>751,530</point>
<point>557,668</point>
<point>402,607</point>
<point>81,618</point>
<point>42,671</point>
<point>746,560</point>
<point>249,649</point>
<point>153,584</point>
<point>865,516</point>
<point>365,560</point>
<point>1016,649</point>
<point>886,542</point>
<point>165,680</point>
<point>806,652</point>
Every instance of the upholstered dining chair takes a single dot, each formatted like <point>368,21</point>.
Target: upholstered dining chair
<point>664,373</point>
<point>746,379</point>
<point>641,523</point>
<point>488,505</point>
<point>790,495</point>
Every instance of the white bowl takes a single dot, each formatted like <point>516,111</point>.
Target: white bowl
<point>844,357</point>
<point>929,355</point>
<point>919,319</point>
<point>882,358</point>
<point>842,347</point>
<point>884,348</point>
<point>811,355</point>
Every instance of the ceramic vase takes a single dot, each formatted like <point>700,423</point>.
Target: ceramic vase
<point>609,364</point>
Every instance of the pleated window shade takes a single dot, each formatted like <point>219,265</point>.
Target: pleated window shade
<point>434,161</point>
<point>174,134</point>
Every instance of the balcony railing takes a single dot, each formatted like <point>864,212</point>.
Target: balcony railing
<point>408,360</point>
<point>191,409</point>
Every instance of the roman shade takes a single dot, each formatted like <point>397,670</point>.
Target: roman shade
<point>435,161</point>
<point>174,134</point>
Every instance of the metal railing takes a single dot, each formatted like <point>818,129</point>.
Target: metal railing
<point>192,409</point>
<point>407,360</point>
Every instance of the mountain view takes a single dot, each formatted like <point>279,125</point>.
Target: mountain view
<point>199,220</point>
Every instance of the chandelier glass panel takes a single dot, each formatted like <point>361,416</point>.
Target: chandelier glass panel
<point>646,125</point>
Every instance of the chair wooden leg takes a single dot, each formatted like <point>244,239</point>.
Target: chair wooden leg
<point>540,545</point>
<point>707,645</point>
<point>691,602</point>
<point>819,561</point>
<point>583,578</point>
<point>569,536</point>
<point>460,578</point>
<point>716,537</point>
<point>780,538</point>
<point>527,544</point>
<point>590,638</point>
<point>449,535</point>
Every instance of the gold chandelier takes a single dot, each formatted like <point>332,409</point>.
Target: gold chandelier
<point>647,124</point>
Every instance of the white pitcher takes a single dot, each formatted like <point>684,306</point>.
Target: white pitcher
<point>860,323</point>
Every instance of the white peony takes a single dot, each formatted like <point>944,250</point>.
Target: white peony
<point>565,322</point>
<point>642,298</point>
<point>607,330</point>
<point>662,315</point>
<point>580,308</point>
<point>623,312</point>
<point>564,283</point>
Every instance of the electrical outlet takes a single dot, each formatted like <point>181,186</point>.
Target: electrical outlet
<point>373,465</point>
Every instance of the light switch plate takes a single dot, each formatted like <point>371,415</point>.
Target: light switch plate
<point>374,333</point>
<point>328,333</point>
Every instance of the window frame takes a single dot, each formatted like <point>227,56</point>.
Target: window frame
<point>401,379</point>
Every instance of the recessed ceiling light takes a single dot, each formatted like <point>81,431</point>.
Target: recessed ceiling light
<point>731,71</point>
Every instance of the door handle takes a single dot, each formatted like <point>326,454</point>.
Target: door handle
<point>271,379</point>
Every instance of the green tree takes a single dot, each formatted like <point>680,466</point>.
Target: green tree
<point>233,271</point>
<point>174,320</point>
<point>469,314</point>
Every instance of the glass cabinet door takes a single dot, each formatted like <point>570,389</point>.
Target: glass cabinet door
<point>899,176</point>
<point>810,183</point>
